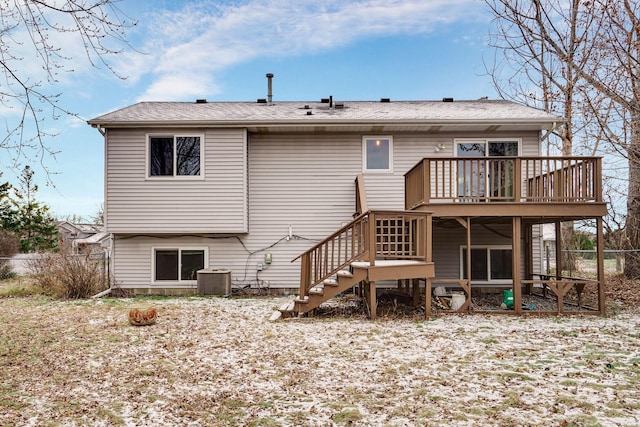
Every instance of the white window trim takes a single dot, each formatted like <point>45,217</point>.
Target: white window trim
<point>488,248</point>
<point>364,153</point>
<point>486,142</point>
<point>174,176</point>
<point>179,249</point>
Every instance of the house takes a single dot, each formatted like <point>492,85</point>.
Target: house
<point>83,238</point>
<point>450,187</point>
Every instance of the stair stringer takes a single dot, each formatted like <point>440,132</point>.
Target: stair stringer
<point>313,300</point>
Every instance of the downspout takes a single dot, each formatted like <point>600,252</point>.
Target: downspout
<point>100,129</point>
<point>112,237</point>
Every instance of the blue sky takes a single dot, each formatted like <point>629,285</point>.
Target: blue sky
<point>221,51</point>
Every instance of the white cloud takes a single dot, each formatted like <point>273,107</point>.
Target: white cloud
<point>186,48</point>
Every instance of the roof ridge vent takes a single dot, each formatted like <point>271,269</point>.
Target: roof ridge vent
<point>201,101</point>
<point>385,99</point>
<point>447,99</point>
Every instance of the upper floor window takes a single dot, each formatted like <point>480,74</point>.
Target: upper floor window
<point>173,156</point>
<point>377,153</point>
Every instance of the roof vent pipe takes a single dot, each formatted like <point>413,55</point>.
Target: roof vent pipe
<point>269,88</point>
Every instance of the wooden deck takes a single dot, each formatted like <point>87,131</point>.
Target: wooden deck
<point>562,187</point>
<point>460,192</point>
<point>523,192</point>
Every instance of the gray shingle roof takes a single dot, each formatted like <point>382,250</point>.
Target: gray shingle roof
<point>293,112</point>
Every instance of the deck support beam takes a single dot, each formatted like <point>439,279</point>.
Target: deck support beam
<point>371,294</point>
<point>600,265</point>
<point>516,241</point>
<point>462,222</point>
<point>559,266</point>
<point>528,254</point>
<point>469,259</point>
<point>415,292</point>
<point>427,298</point>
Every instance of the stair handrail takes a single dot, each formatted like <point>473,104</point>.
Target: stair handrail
<point>359,241</point>
<point>356,231</point>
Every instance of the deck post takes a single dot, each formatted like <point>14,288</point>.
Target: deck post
<point>528,254</point>
<point>600,265</point>
<point>598,179</point>
<point>427,298</point>
<point>371,239</point>
<point>559,266</point>
<point>372,300</point>
<point>426,167</point>
<point>416,292</point>
<point>516,241</point>
<point>517,182</point>
<point>469,256</point>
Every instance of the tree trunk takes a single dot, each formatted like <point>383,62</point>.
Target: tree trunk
<point>632,259</point>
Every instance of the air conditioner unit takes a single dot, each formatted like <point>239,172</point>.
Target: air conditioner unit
<point>214,281</point>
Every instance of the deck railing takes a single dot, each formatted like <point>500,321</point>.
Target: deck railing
<point>504,179</point>
<point>396,235</point>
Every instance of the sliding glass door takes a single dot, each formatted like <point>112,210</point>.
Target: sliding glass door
<point>488,179</point>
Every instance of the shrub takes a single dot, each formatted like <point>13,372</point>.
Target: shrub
<point>67,276</point>
<point>9,246</point>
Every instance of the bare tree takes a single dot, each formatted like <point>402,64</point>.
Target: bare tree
<point>39,30</point>
<point>596,45</point>
<point>527,69</point>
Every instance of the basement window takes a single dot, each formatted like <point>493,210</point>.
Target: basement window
<point>174,156</point>
<point>177,264</point>
<point>377,154</point>
<point>489,264</point>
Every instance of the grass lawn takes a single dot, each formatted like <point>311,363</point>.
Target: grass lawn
<point>217,361</point>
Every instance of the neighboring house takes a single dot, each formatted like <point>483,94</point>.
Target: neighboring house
<point>83,238</point>
<point>250,187</point>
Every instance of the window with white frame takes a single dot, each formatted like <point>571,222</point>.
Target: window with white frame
<point>178,264</point>
<point>377,154</point>
<point>174,155</point>
<point>488,264</point>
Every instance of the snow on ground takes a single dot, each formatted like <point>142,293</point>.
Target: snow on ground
<point>216,361</point>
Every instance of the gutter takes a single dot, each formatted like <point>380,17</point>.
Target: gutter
<point>308,123</point>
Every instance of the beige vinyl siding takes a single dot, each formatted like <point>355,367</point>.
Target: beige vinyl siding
<point>133,255</point>
<point>215,203</point>
<point>386,190</point>
<point>307,182</point>
<point>303,181</point>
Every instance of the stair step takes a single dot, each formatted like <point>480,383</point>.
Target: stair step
<point>316,290</point>
<point>345,273</point>
<point>330,282</point>
<point>304,300</point>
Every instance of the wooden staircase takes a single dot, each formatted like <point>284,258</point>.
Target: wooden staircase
<point>376,245</point>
